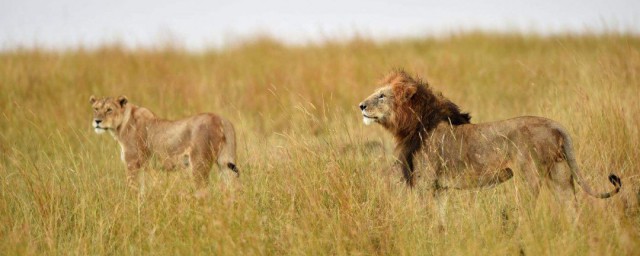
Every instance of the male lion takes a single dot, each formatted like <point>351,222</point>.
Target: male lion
<point>430,128</point>
<point>190,142</point>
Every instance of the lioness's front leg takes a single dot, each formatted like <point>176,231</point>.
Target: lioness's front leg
<point>134,162</point>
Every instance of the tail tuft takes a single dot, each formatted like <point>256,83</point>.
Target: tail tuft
<point>234,168</point>
<point>615,180</point>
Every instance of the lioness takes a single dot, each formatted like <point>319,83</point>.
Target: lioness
<point>193,142</point>
<point>429,127</point>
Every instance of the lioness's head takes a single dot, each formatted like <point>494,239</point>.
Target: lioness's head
<point>108,112</point>
<point>381,106</point>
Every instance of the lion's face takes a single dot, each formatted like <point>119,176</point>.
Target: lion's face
<point>378,107</point>
<point>108,113</point>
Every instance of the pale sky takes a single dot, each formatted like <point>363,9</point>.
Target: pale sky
<point>199,24</point>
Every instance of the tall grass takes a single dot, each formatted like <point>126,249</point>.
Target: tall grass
<point>314,179</point>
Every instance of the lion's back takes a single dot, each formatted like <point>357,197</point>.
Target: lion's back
<point>515,137</point>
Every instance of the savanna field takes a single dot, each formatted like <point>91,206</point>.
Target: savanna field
<point>314,179</point>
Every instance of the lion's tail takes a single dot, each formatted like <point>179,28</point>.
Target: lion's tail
<point>227,155</point>
<point>571,160</point>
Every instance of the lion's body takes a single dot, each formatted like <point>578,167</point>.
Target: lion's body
<point>431,129</point>
<point>195,142</point>
<point>476,155</point>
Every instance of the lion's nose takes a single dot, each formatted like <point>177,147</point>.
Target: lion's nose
<point>363,106</point>
<point>98,121</point>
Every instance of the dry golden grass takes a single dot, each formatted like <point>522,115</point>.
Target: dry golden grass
<point>308,183</point>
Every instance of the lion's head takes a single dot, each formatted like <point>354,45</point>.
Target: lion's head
<point>405,105</point>
<point>108,113</point>
<point>377,107</point>
<point>408,109</point>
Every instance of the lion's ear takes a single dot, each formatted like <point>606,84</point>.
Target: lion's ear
<point>409,91</point>
<point>122,100</point>
<point>92,99</point>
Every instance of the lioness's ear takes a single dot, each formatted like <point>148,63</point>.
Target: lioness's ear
<point>122,100</point>
<point>409,91</point>
<point>92,99</point>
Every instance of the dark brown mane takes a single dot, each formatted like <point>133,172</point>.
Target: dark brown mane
<point>418,110</point>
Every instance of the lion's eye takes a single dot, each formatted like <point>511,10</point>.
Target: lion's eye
<point>108,110</point>
<point>381,96</point>
<point>95,110</point>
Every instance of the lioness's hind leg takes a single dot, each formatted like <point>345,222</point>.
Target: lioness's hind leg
<point>200,167</point>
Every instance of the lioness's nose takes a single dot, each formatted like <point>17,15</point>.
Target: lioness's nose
<point>98,121</point>
<point>363,106</point>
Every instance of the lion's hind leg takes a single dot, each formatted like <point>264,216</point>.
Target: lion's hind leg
<point>531,179</point>
<point>560,180</point>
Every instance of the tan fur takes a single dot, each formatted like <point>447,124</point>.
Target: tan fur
<point>194,142</point>
<point>430,128</point>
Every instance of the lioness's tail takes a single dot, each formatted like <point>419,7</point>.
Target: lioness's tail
<point>227,156</point>
<point>575,171</point>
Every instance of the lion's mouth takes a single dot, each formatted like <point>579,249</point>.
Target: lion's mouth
<point>370,117</point>
<point>367,120</point>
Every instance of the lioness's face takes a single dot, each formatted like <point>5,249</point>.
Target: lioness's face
<point>107,113</point>
<point>378,106</point>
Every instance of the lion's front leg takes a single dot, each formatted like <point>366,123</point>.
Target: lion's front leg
<point>440,198</point>
<point>394,171</point>
<point>404,163</point>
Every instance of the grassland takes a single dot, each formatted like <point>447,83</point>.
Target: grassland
<point>309,185</point>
